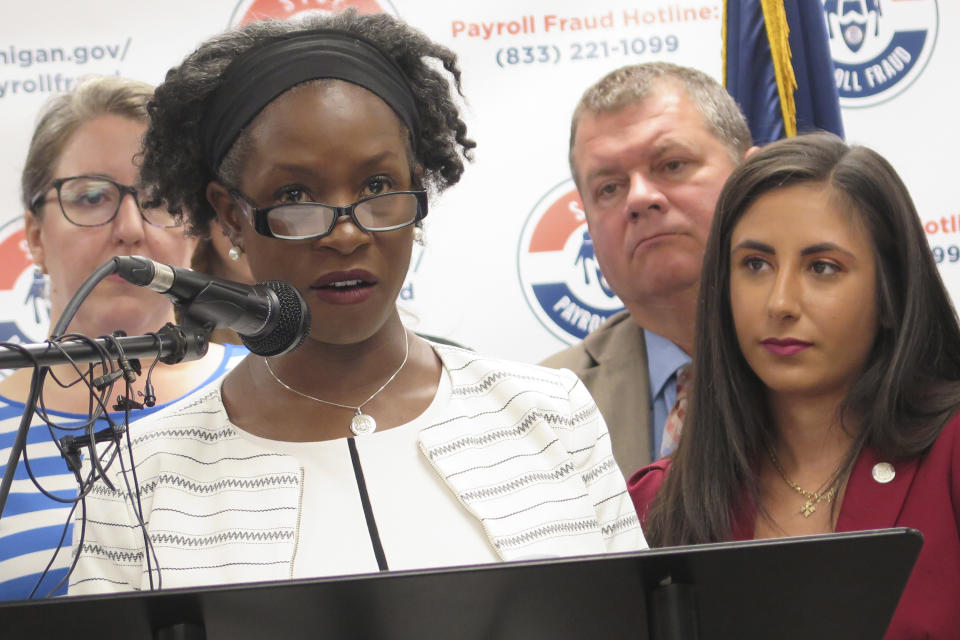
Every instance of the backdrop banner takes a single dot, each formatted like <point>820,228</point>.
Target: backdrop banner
<point>508,267</point>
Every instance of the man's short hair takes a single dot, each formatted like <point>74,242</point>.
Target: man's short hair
<point>632,84</point>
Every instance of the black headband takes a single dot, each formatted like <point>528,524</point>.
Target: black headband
<point>259,75</point>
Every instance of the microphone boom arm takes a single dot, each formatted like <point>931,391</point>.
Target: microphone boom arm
<point>172,344</point>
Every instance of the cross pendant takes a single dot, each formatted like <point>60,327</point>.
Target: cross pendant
<point>808,509</point>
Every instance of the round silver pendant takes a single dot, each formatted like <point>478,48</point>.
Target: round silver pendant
<point>362,424</point>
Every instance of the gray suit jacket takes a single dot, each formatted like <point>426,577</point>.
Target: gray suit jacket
<point>612,362</point>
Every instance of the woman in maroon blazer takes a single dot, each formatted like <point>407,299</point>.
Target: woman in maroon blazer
<point>827,378</point>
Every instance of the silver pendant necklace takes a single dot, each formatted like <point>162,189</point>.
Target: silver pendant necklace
<point>361,424</point>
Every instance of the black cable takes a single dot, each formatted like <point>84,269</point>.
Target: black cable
<point>41,413</point>
<point>76,557</point>
<point>26,460</point>
<point>36,483</point>
<point>82,499</point>
<point>79,337</point>
<point>83,487</point>
<point>149,397</point>
<point>20,440</point>
<point>96,409</point>
<point>100,471</point>
<point>86,486</point>
<point>129,377</point>
<point>104,270</point>
<point>56,552</point>
<point>89,425</point>
<point>148,549</point>
<point>99,395</point>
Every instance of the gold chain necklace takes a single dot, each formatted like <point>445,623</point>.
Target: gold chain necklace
<point>813,497</point>
<point>361,424</point>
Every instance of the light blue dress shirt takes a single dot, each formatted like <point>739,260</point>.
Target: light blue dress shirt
<point>663,360</point>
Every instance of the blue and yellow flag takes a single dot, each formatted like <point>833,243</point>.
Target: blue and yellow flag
<point>777,66</point>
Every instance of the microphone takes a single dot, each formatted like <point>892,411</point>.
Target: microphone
<point>271,317</point>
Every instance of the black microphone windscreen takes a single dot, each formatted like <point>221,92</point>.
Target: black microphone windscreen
<point>291,327</point>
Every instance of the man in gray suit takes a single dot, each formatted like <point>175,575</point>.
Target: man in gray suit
<point>650,148</point>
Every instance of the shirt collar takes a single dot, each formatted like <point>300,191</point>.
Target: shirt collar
<point>663,360</point>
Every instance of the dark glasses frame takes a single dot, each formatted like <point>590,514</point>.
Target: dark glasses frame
<point>261,223</point>
<point>125,190</point>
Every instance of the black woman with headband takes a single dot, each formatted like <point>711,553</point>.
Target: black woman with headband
<point>318,145</point>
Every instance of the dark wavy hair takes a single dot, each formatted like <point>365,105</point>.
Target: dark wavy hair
<point>174,173</point>
<point>907,392</point>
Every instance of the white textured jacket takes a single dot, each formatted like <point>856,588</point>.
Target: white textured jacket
<point>523,448</point>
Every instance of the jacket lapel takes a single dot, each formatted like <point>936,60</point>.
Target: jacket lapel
<point>870,503</point>
<point>619,384</point>
<point>475,470</point>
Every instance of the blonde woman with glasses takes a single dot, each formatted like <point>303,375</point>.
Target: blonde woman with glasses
<point>82,209</point>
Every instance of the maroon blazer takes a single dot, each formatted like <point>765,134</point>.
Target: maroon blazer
<point>924,494</point>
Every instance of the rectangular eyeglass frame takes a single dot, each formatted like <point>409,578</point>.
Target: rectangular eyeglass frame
<point>41,198</point>
<point>261,223</point>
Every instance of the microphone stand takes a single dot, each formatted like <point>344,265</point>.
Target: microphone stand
<point>171,344</point>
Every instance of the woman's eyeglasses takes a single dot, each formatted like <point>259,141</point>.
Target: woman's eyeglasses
<point>312,220</point>
<point>93,201</point>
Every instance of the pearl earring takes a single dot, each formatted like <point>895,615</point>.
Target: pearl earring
<point>418,236</point>
<point>235,252</point>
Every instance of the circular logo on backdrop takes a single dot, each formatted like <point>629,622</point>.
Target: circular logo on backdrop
<point>558,270</point>
<point>252,10</point>
<point>879,47</point>
<point>24,309</point>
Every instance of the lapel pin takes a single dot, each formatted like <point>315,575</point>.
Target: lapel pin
<point>883,472</point>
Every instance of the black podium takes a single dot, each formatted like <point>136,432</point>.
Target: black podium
<point>833,586</point>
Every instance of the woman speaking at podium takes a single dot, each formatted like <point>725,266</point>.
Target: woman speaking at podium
<point>827,378</point>
<point>81,210</point>
<point>317,145</point>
